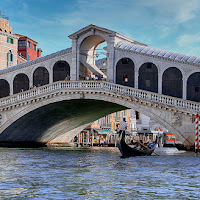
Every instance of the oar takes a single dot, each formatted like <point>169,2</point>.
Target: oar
<point>146,147</point>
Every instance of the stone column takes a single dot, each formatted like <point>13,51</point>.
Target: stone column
<point>110,60</point>
<point>75,60</point>
<point>184,88</point>
<point>159,83</point>
<point>51,75</point>
<point>31,81</point>
<point>136,78</point>
<point>11,88</point>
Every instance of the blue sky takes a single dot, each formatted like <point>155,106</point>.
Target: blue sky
<point>169,25</point>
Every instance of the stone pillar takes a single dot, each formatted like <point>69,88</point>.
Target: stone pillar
<point>11,88</point>
<point>110,60</point>
<point>75,60</point>
<point>159,83</point>
<point>51,75</point>
<point>31,81</point>
<point>184,88</point>
<point>136,78</point>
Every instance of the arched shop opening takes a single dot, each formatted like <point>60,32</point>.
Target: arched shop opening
<point>172,83</point>
<point>148,77</point>
<point>20,83</point>
<point>4,88</point>
<point>61,70</point>
<point>40,76</point>
<point>125,72</point>
<point>193,87</point>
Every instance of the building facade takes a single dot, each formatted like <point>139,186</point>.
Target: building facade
<point>27,49</point>
<point>8,45</point>
<point>14,48</point>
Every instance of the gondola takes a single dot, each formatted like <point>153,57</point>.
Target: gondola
<point>180,147</point>
<point>128,151</point>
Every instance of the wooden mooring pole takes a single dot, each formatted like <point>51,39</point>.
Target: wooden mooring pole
<point>197,134</point>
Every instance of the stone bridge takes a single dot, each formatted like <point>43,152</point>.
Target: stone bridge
<point>54,113</point>
<point>161,84</point>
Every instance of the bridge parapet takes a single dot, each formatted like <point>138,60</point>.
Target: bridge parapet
<point>190,106</point>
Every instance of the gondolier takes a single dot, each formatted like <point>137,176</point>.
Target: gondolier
<point>122,126</point>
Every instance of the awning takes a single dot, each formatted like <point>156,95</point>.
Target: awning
<point>102,131</point>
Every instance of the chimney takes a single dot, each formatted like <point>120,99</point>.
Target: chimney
<point>39,52</point>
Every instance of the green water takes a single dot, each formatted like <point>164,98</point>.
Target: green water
<point>66,173</point>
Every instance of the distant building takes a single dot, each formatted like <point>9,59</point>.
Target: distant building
<point>8,44</point>
<point>14,48</point>
<point>110,122</point>
<point>27,49</point>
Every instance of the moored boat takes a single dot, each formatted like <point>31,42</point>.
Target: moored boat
<point>128,151</point>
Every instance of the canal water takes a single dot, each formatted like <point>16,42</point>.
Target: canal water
<point>99,173</point>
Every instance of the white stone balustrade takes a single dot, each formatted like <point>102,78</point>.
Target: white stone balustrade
<point>102,85</point>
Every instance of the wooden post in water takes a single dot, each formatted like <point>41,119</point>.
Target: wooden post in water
<point>197,133</point>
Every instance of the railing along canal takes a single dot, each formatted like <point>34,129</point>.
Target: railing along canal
<point>103,85</point>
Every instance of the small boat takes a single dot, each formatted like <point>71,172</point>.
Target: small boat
<point>128,151</point>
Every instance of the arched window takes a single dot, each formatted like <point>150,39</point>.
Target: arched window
<point>125,72</point>
<point>148,77</point>
<point>20,83</point>
<point>60,71</point>
<point>193,87</point>
<point>4,88</point>
<point>40,76</point>
<point>172,83</point>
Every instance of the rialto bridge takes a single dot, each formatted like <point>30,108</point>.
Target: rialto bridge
<point>160,84</point>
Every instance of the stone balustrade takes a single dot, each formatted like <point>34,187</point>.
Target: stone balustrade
<point>102,85</point>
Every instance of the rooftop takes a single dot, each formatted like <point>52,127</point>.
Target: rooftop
<point>158,52</point>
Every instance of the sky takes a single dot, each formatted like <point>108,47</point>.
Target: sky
<point>171,25</point>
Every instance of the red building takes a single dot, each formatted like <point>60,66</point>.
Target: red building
<point>27,49</point>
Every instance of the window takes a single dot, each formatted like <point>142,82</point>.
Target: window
<point>29,44</point>
<point>9,56</point>
<point>137,115</point>
<point>28,57</point>
<point>9,40</point>
<point>21,43</point>
<point>34,47</point>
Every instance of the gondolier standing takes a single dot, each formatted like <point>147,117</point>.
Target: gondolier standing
<point>122,126</point>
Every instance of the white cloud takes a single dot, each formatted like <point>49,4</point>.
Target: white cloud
<point>188,40</point>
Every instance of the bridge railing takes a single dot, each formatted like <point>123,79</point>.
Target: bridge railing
<point>103,85</point>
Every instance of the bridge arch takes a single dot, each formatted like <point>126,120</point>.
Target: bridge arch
<point>60,70</point>
<point>193,87</point>
<point>88,53</point>
<point>148,77</point>
<point>4,88</point>
<point>171,78</point>
<point>125,72</point>
<point>20,83</point>
<point>40,76</point>
<point>65,112</point>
